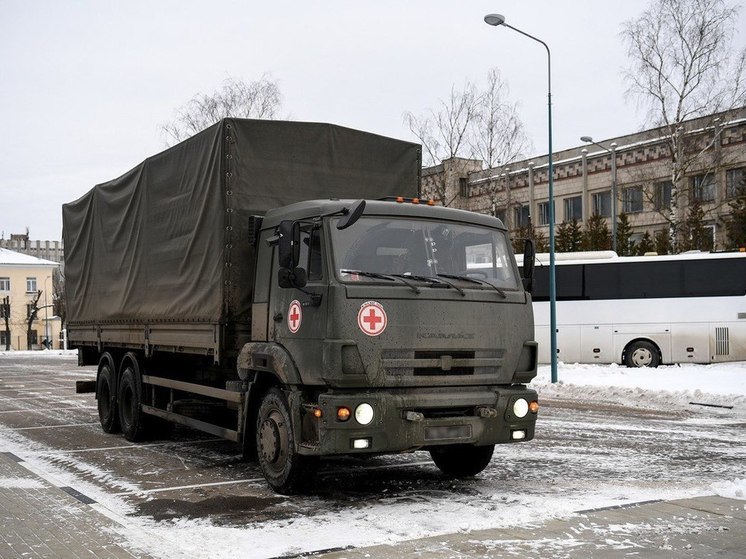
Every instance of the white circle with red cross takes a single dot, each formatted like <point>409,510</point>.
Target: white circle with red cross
<point>372,318</point>
<point>295,316</point>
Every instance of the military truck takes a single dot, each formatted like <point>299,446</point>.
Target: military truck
<point>279,284</point>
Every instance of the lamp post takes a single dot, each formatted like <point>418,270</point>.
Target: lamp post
<point>497,20</point>
<point>612,151</point>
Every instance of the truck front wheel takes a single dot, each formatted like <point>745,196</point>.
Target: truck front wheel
<point>285,470</point>
<point>462,460</point>
<point>130,414</point>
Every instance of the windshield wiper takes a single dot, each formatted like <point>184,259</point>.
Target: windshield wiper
<point>474,280</point>
<point>388,277</point>
<point>434,281</point>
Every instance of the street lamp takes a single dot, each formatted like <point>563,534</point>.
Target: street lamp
<point>612,151</point>
<point>497,20</point>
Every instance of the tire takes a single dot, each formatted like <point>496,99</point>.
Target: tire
<point>286,471</point>
<point>642,354</point>
<point>130,415</point>
<point>108,412</point>
<point>462,460</point>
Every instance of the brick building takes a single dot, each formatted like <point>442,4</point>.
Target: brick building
<point>518,193</point>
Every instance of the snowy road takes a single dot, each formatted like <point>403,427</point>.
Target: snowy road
<point>595,446</point>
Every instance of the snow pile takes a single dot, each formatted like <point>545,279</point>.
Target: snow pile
<point>667,388</point>
<point>731,489</point>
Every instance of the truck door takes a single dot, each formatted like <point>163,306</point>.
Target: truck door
<point>298,318</point>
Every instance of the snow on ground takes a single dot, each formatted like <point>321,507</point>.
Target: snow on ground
<point>493,501</point>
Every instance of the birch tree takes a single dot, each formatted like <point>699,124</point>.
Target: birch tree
<point>681,66</point>
<point>236,98</point>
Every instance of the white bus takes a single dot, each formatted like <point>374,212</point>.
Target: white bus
<point>643,311</point>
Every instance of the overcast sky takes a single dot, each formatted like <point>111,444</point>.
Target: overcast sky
<point>85,85</point>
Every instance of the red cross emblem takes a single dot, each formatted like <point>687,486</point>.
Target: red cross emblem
<point>295,316</point>
<point>372,319</point>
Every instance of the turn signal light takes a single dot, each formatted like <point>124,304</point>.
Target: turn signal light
<point>343,414</point>
<point>317,412</point>
<point>533,406</point>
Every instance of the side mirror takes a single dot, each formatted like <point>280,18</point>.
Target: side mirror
<point>352,215</point>
<point>289,244</point>
<point>291,277</point>
<point>529,256</point>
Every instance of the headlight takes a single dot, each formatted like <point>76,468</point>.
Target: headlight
<point>364,414</point>
<point>520,407</point>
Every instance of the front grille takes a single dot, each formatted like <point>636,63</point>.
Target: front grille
<point>441,363</point>
<point>446,361</point>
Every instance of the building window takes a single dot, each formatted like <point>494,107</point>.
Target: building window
<point>463,187</point>
<point>574,208</point>
<point>735,182</point>
<point>703,188</point>
<point>4,284</point>
<point>521,216</point>
<point>501,215</point>
<point>30,285</point>
<point>2,310</point>
<point>543,213</point>
<point>601,202</point>
<point>3,339</point>
<point>632,200</point>
<point>34,337</point>
<point>663,195</point>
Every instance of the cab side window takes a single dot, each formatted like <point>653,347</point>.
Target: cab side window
<point>311,254</point>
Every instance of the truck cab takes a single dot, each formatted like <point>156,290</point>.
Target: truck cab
<point>385,326</point>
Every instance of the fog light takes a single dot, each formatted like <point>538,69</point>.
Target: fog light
<point>520,407</point>
<point>360,443</point>
<point>518,435</point>
<point>364,414</point>
<point>343,414</point>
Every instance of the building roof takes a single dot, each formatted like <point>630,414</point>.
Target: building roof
<point>13,258</point>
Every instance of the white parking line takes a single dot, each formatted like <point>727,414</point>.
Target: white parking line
<point>125,446</point>
<point>50,426</point>
<point>49,409</point>
<point>195,486</point>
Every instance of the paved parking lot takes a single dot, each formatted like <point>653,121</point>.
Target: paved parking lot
<point>107,497</point>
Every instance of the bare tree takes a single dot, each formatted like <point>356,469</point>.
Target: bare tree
<point>236,98</point>
<point>32,314</point>
<point>497,135</point>
<point>682,66</point>
<point>5,314</point>
<point>443,131</point>
<point>470,123</point>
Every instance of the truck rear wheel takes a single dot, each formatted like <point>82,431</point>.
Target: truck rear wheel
<point>108,413</point>
<point>285,470</point>
<point>462,460</point>
<point>130,414</point>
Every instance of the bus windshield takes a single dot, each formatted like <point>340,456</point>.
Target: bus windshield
<point>424,249</point>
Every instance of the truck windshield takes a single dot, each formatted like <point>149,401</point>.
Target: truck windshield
<point>375,249</point>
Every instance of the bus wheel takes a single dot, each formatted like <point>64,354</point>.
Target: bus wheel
<point>642,354</point>
<point>462,460</point>
<point>108,413</point>
<point>285,470</point>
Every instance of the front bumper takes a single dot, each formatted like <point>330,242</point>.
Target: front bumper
<point>415,419</point>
